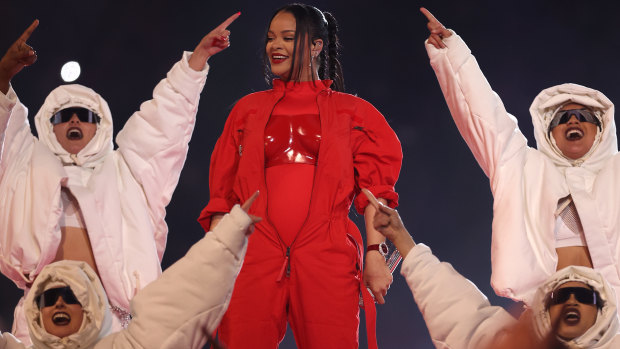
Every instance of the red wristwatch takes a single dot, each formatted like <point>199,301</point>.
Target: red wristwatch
<point>382,248</point>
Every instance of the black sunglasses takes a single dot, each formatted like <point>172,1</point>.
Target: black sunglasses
<point>582,294</point>
<point>583,115</point>
<point>49,297</point>
<point>83,114</point>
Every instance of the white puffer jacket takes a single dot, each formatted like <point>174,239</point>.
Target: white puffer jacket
<point>604,332</point>
<point>176,311</point>
<point>459,316</point>
<point>527,182</point>
<point>122,194</point>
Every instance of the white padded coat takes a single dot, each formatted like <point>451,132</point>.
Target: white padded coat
<point>122,193</point>
<point>459,316</point>
<point>527,182</point>
<point>176,311</point>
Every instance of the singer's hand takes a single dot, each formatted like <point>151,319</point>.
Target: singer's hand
<point>377,276</point>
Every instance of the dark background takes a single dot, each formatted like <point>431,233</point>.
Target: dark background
<point>523,46</point>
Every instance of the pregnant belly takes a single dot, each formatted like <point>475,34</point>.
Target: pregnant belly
<point>289,188</point>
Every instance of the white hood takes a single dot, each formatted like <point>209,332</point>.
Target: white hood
<point>67,96</point>
<point>87,288</point>
<point>550,100</point>
<point>602,333</point>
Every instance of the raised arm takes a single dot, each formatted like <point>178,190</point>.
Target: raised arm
<point>155,140</point>
<point>18,56</point>
<point>490,132</point>
<point>26,186</point>
<point>437,31</point>
<point>216,41</point>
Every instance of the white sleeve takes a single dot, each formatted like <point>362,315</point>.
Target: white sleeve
<point>6,106</point>
<point>154,141</point>
<point>26,205</point>
<point>189,299</point>
<point>456,313</point>
<point>8,341</point>
<point>501,150</point>
<point>14,128</point>
<point>490,132</point>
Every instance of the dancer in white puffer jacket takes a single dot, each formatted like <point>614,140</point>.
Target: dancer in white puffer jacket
<point>69,195</point>
<point>554,205</point>
<point>178,310</point>
<point>574,308</point>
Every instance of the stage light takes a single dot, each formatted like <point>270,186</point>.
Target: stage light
<point>70,71</point>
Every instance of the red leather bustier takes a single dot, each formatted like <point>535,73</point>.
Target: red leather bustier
<point>293,133</point>
<point>292,139</point>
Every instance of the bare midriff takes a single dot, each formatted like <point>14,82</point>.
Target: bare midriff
<point>573,255</point>
<point>75,245</point>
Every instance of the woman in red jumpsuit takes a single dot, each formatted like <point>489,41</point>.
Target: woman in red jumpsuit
<point>309,149</point>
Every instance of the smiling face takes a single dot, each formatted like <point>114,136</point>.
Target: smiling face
<point>62,319</point>
<point>281,45</point>
<point>574,138</point>
<point>573,317</point>
<point>74,135</point>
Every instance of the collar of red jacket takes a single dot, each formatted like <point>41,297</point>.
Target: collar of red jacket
<point>317,85</point>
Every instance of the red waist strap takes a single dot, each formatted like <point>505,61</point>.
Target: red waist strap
<point>370,313</point>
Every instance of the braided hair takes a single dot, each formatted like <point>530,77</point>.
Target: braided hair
<point>312,24</point>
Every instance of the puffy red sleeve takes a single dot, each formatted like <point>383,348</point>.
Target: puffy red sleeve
<point>377,156</point>
<point>223,171</point>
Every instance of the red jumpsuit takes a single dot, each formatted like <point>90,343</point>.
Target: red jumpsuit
<point>308,271</point>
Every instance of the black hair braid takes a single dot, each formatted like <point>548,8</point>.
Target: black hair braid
<point>323,65</point>
<point>334,67</point>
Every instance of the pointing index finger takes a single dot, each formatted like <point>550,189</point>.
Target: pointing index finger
<point>248,203</point>
<point>428,15</point>
<point>373,200</point>
<point>26,34</point>
<point>227,22</point>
